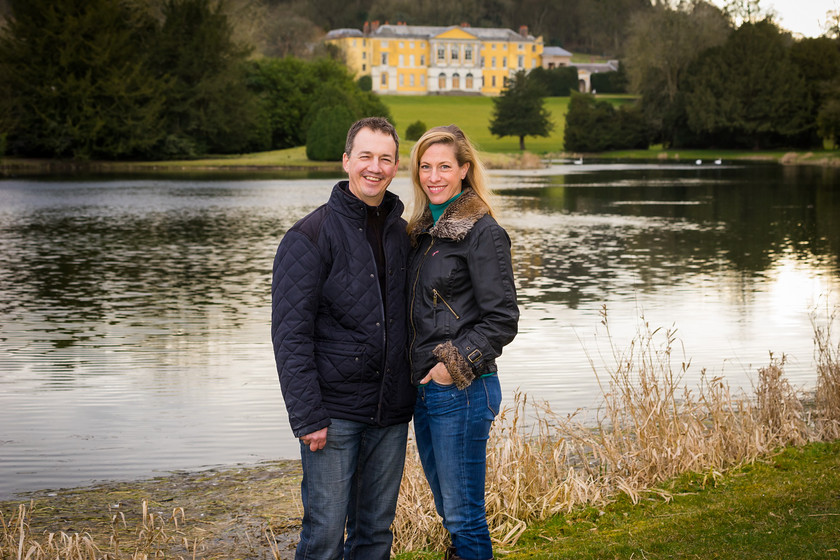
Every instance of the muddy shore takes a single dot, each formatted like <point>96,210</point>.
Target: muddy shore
<point>227,513</point>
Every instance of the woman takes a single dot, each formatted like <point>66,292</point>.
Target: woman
<point>462,311</point>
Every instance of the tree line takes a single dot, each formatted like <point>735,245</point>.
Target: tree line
<point>123,79</point>
<point>112,79</point>
<point>704,83</point>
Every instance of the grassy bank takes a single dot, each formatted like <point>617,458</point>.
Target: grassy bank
<point>824,157</point>
<point>783,506</point>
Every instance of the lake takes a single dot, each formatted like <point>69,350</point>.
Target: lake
<point>134,311</point>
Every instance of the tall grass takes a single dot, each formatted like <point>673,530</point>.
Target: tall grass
<point>650,428</point>
<point>827,397</point>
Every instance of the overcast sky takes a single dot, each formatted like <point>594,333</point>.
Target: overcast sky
<point>800,16</point>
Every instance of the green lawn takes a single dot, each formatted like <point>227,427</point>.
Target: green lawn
<point>786,507</point>
<point>473,115</point>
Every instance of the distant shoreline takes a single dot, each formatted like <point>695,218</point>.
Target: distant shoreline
<point>293,161</point>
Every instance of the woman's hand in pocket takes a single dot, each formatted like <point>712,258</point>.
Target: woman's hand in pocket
<point>439,374</point>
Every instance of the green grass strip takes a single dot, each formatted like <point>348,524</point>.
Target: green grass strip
<point>785,507</point>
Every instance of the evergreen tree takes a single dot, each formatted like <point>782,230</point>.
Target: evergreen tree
<point>557,82</point>
<point>748,92</point>
<point>596,126</point>
<point>520,110</point>
<point>328,133</point>
<point>76,81</point>
<point>209,107</point>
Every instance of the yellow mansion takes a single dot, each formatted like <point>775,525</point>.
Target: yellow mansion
<point>419,60</point>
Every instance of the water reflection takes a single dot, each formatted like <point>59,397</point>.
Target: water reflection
<point>134,311</point>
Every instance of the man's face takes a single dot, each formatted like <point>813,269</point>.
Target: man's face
<point>371,166</point>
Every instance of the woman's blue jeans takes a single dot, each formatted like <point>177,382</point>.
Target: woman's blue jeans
<point>452,427</point>
<point>352,483</point>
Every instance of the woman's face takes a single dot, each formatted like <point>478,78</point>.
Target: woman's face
<point>439,173</point>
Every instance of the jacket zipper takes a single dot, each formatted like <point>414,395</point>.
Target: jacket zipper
<point>384,319</point>
<point>413,299</point>
<point>437,295</point>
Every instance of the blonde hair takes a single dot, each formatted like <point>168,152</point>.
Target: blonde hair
<point>465,152</point>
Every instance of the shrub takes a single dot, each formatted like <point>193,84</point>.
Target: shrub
<point>415,130</point>
<point>328,133</point>
<point>596,126</point>
<point>365,83</point>
<point>558,82</point>
<point>609,82</point>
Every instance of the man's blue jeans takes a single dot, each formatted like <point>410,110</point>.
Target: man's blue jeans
<point>452,428</point>
<point>352,483</point>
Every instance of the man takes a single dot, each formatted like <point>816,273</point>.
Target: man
<point>339,331</point>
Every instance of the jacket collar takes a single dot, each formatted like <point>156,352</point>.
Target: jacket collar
<point>457,220</point>
<point>345,202</point>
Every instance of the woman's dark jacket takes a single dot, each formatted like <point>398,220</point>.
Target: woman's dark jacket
<point>340,350</point>
<point>462,299</point>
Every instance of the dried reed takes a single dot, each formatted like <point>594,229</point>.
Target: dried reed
<point>827,396</point>
<point>650,428</point>
<point>152,539</point>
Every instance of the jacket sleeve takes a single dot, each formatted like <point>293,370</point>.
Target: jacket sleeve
<point>295,294</point>
<point>494,292</point>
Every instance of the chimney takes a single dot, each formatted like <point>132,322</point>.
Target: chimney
<point>374,25</point>
<point>464,24</point>
<point>366,28</point>
<point>523,30</point>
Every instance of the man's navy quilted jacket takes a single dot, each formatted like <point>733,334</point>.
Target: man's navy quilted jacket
<point>340,352</point>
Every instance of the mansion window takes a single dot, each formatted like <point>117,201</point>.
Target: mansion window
<point>456,81</point>
<point>384,59</point>
<point>468,53</point>
<point>441,53</point>
<point>521,61</point>
<point>441,81</point>
<point>454,52</point>
<point>469,84</point>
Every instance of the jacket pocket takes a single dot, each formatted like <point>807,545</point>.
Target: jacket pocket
<point>438,300</point>
<point>341,365</point>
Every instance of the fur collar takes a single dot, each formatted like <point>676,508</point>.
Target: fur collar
<point>457,220</point>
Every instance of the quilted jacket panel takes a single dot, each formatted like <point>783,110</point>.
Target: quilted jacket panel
<point>337,356</point>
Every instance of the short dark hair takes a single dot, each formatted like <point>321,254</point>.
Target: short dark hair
<point>376,124</point>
